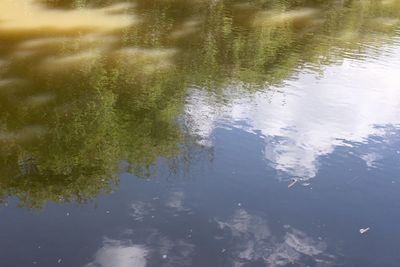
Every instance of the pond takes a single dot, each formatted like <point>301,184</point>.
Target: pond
<point>199,133</point>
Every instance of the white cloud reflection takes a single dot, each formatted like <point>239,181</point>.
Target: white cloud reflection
<point>115,253</point>
<point>371,159</point>
<point>154,249</point>
<point>145,245</point>
<point>252,241</point>
<point>176,201</point>
<point>140,210</point>
<point>308,118</point>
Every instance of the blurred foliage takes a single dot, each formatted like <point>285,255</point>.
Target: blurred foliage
<point>63,133</point>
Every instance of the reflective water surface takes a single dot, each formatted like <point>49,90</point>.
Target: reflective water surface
<point>199,133</point>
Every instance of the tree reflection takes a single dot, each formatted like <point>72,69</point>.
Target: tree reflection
<point>75,101</point>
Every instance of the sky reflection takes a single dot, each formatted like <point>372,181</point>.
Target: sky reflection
<point>310,115</point>
<point>158,133</point>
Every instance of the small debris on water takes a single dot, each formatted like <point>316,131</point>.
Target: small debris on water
<point>59,260</point>
<point>293,181</point>
<point>107,211</point>
<point>239,204</point>
<point>306,184</point>
<point>67,213</point>
<point>223,250</point>
<point>164,256</point>
<point>364,230</point>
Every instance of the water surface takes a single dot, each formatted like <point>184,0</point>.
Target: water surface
<point>199,133</point>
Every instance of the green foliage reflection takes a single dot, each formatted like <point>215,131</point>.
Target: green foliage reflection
<point>75,101</point>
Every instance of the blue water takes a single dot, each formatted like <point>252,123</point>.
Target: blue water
<point>137,168</point>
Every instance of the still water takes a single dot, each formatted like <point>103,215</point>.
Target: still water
<point>199,133</point>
